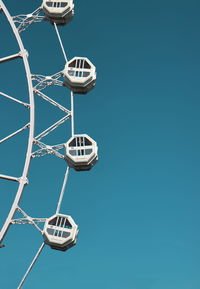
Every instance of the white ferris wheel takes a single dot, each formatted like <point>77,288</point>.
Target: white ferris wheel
<point>59,230</point>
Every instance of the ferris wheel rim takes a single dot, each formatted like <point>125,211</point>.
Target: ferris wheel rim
<point>23,178</point>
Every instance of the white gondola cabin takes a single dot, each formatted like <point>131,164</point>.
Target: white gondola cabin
<point>81,152</point>
<point>58,11</point>
<point>79,75</point>
<point>60,232</point>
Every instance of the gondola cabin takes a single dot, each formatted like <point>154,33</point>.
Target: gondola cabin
<point>81,152</point>
<point>60,232</point>
<point>58,11</point>
<point>79,75</point>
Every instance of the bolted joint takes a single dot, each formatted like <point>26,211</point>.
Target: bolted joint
<point>24,53</point>
<point>24,180</point>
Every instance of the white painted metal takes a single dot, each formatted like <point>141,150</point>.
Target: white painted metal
<point>31,220</point>
<point>53,102</point>
<point>72,113</point>
<point>45,81</point>
<point>79,75</point>
<point>9,178</point>
<point>23,21</point>
<point>10,57</point>
<point>14,99</point>
<point>23,178</point>
<point>31,265</point>
<point>81,152</point>
<point>60,41</point>
<point>47,149</point>
<point>62,191</point>
<point>58,11</point>
<point>15,133</point>
<point>60,232</point>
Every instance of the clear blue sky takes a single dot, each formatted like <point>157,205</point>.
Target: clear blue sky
<point>138,209</point>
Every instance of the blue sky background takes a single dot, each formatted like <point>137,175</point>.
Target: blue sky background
<point>138,209</point>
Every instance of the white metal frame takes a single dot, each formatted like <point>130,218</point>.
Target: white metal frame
<point>18,24</point>
<point>44,149</point>
<point>23,179</point>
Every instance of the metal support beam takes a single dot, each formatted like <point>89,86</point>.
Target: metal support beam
<point>31,124</point>
<point>10,57</point>
<point>51,128</point>
<point>62,191</point>
<point>31,265</point>
<point>25,221</point>
<point>31,220</point>
<point>14,99</point>
<point>46,150</point>
<point>9,178</point>
<point>50,100</point>
<point>72,113</point>
<point>23,21</point>
<point>15,133</point>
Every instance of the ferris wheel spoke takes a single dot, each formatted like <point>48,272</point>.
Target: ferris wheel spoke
<point>72,113</point>
<point>15,133</point>
<point>9,178</point>
<point>10,57</point>
<point>45,150</point>
<point>50,100</point>
<point>31,265</point>
<point>27,105</point>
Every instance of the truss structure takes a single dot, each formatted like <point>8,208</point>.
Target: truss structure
<point>23,21</point>
<point>23,179</point>
<point>41,82</point>
<point>36,146</point>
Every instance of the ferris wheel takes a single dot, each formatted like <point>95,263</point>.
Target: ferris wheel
<point>80,152</point>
